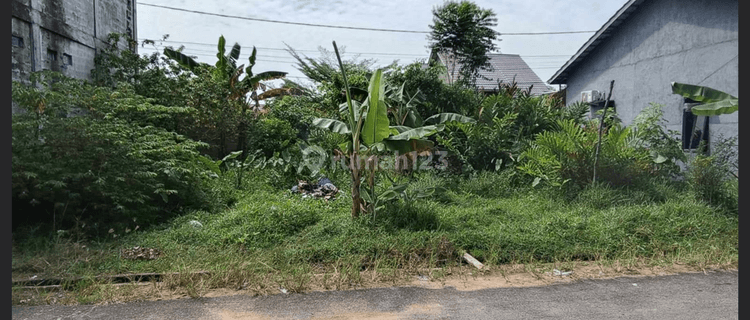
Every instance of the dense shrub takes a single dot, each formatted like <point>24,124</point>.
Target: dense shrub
<point>628,155</point>
<point>271,135</point>
<point>298,111</point>
<point>567,155</point>
<point>436,96</point>
<point>114,162</point>
<point>713,178</point>
<point>506,123</point>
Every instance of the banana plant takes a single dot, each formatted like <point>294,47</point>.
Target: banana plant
<point>368,127</point>
<point>713,102</point>
<point>226,70</point>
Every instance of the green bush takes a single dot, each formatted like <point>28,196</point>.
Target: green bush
<point>567,155</point>
<point>113,163</point>
<point>436,96</point>
<point>506,123</point>
<point>271,135</point>
<point>628,155</point>
<point>298,111</point>
<point>713,179</point>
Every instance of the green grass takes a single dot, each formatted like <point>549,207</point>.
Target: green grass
<point>279,235</point>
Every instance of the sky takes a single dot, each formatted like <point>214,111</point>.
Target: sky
<point>199,33</point>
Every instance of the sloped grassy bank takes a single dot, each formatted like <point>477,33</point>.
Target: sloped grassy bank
<point>278,233</point>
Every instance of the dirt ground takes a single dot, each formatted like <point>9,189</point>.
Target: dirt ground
<point>465,278</point>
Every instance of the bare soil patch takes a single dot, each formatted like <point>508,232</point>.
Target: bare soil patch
<point>464,278</point>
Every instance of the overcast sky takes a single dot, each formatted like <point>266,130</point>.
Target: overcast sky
<point>545,54</point>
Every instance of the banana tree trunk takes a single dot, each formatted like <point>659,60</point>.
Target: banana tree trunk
<point>356,175</point>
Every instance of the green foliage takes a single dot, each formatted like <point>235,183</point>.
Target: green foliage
<point>115,162</point>
<point>713,178</point>
<point>330,91</point>
<point>628,154</point>
<point>153,76</point>
<point>434,95</point>
<point>713,102</point>
<point>464,31</point>
<point>664,148</point>
<point>576,111</point>
<point>507,121</point>
<point>298,111</point>
<point>220,95</point>
<point>271,135</point>
<point>567,155</point>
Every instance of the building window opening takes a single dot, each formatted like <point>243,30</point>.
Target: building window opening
<point>67,59</point>
<point>694,128</point>
<point>17,42</point>
<point>51,55</point>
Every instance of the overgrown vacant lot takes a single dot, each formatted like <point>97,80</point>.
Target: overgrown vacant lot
<point>273,239</point>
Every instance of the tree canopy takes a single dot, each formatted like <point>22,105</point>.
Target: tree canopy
<point>464,32</point>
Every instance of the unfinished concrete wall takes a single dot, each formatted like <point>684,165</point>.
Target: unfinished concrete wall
<point>688,41</point>
<point>63,35</point>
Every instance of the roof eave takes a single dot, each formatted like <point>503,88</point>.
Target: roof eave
<point>561,76</point>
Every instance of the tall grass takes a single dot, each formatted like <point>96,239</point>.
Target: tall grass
<point>497,221</point>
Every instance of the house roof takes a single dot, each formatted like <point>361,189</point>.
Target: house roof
<point>561,76</point>
<point>506,68</point>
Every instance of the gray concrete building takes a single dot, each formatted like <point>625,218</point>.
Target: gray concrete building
<point>647,45</point>
<point>64,35</point>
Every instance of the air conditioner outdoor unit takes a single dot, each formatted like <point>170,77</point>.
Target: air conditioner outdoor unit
<point>591,96</point>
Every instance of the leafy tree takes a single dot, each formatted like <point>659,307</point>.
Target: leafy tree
<point>112,162</point>
<point>464,31</point>
<point>324,72</point>
<point>152,76</point>
<point>228,73</point>
<point>434,94</point>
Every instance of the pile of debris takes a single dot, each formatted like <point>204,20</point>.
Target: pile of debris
<point>139,253</point>
<point>323,189</point>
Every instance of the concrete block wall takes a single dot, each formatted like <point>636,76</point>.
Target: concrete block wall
<point>688,41</point>
<point>67,27</point>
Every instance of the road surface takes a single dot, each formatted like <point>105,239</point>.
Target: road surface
<point>683,296</point>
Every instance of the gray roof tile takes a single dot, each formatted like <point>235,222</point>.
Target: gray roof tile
<point>505,68</point>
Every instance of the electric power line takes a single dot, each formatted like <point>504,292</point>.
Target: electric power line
<point>345,27</point>
<point>265,59</point>
<point>566,56</point>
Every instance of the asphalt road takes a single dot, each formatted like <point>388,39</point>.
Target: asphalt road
<point>684,296</point>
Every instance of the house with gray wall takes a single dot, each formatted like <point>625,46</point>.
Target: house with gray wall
<point>647,45</point>
<point>64,35</point>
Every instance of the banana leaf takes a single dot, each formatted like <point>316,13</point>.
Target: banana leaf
<point>181,58</point>
<point>418,133</point>
<point>716,108</point>
<point>376,123</point>
<point>333,125</point>
<point>221,64</point>
<point>448,117</point>
<point>714,102</point>
<point>399,129</point>
<point>277,92</point>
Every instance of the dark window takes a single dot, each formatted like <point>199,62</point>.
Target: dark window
<point>67,59</point>
<point>599,106</point>
<point>51,55</point>
<point>699,128</point>
<point>17,42</point>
